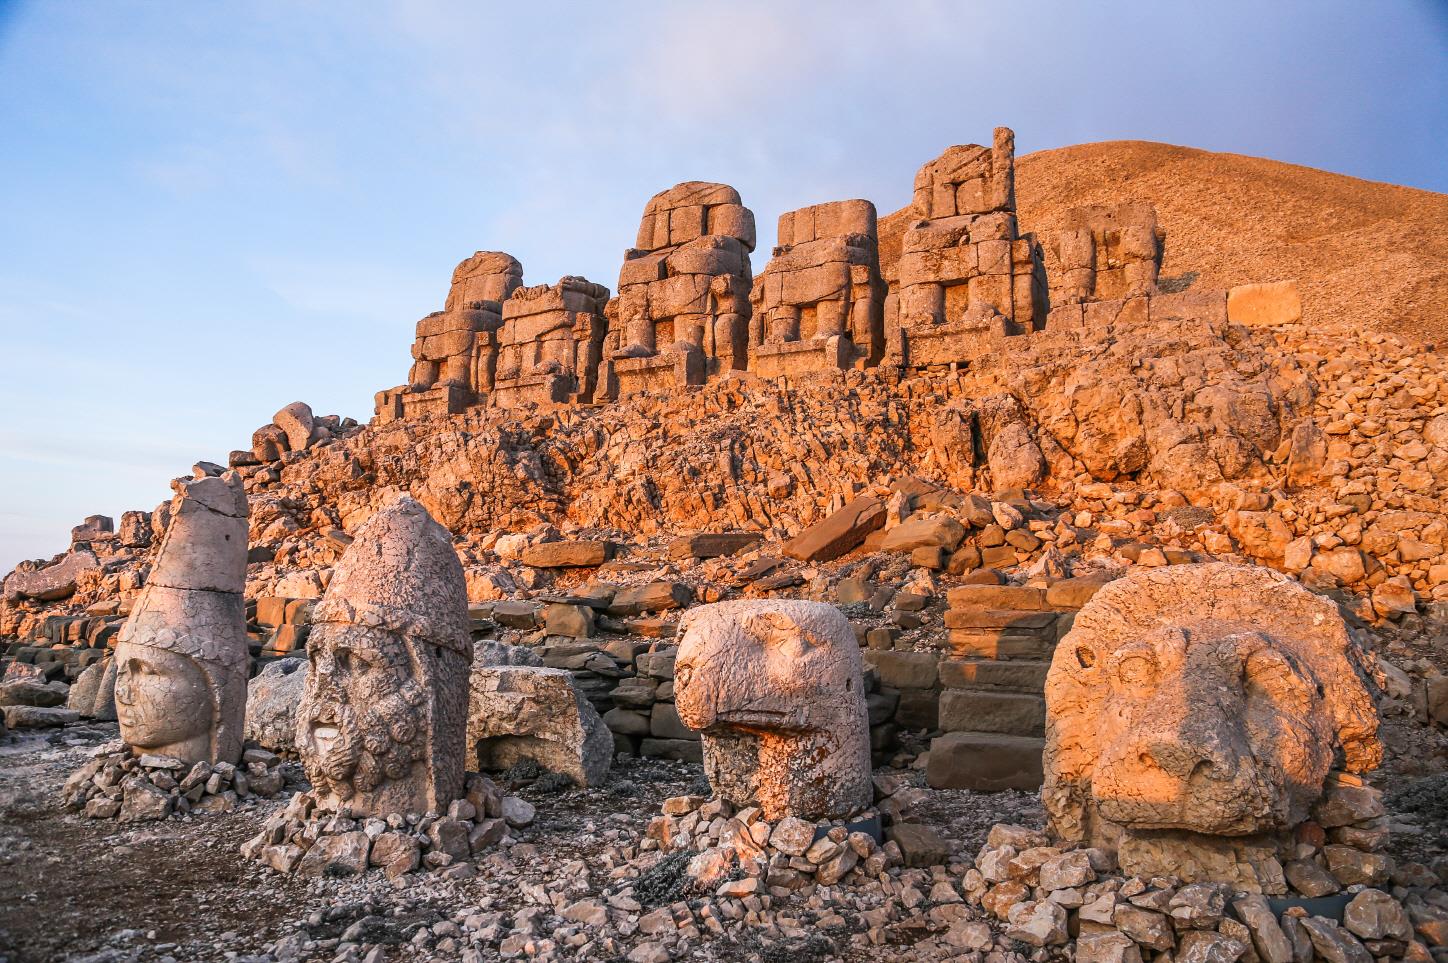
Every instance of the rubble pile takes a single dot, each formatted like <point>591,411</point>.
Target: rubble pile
<point>119,784</point>
<point>773,856</point>
<point>311,841</point>
<point>1345,903</point>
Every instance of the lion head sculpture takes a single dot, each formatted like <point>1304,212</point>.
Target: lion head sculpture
<point>1207,698</point>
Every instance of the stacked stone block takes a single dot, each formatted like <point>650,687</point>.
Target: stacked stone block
<point>992,706</point>
<point>819,303</point>
<point>682,311</point>
<point>968,278</point>
<point>550,343</point>
<point>282,625</point>
<point>1105,252</point>
<point>456,348</point>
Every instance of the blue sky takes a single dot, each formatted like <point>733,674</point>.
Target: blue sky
<point>209,210</point>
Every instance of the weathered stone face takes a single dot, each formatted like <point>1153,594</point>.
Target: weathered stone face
<point>162,700</point>
<point>777,691</point>
<point>1202,698</point>
<point>381,723</point>
<point>1103,252</point>
<point>181,659</point>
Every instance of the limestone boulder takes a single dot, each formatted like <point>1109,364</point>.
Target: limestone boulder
<point>86,695</point>
<point>33,692</point>
<point>522,712</point>
<point>776,689</point>
<point>1204,699</point>
<point>50,583</point>
<point>297,421</point>
<point>1264,305</point>
<point>272,697</point>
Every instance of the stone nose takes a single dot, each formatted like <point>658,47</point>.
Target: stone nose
<point>1189,753</point>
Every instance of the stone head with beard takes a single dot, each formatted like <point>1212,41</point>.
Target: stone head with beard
<point>383,717</point>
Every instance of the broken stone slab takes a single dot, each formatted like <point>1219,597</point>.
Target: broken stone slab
<point>85,695</point>
<point>567,554</point>
<point>573,621</point>
<point>518,713</point>
<point>35,717</point>
<point>1333,943</point>
<point>1204,946</point>
<point>1374,915</point>
<point>1038,923</point>
<point>654,597</point>
<point>1271,942</point>
<point>53,582</point>
<point>33,692</point>
<point>924,531</point>
<point>1107,947</point>
<point>713,544</point>
<point>838,533</point>
<point>1264,305</point>
<point>272,697</point>
<point>94,528</point>
<point>516,614</point>
<point>344,854</point>
<point>985,762</point>
<point>144,802</point>
<point>919,845</point>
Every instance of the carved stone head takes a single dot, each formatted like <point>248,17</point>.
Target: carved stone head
<point>1203,698</point>
<point>181,658</point>
<point>383,714</point>
<point>777,691</point>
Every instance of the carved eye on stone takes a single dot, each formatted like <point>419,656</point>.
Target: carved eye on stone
<point>1085,656</point>
<point>1137,667</point>
<point>683,675</point>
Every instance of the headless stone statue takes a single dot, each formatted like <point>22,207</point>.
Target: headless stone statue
<point>181,662</point>
<point>383,716</point>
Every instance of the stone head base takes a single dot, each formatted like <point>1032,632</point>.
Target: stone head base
<point>1251,864</point>
<point>785,774</point>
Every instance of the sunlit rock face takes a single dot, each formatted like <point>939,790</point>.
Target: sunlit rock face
<point>381,724</point>
<point>181,658</point>
<point>776,689</point>
<point>1201,699</point>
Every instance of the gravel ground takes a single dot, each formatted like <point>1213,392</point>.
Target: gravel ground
<point>89,890</point>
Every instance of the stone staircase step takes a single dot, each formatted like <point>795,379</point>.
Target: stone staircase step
<point>990,710</point>
<point>985,762</point>
<point>1018,675</point>
<point>994,644</point>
